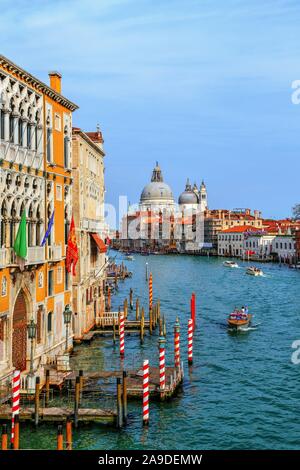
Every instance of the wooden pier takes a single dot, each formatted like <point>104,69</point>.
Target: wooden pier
<point>60,414</point>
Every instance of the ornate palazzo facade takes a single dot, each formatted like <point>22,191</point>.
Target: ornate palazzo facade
<point>35,177</point>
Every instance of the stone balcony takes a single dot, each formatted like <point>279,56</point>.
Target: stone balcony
<point>55,252</point>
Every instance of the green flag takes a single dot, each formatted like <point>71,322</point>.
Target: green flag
<point>20,245</point>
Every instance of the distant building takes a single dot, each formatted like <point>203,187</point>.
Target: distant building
<point>160,223</point>
<point>231,242</point>
<point>217,220</point>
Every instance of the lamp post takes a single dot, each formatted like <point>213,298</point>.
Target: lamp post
<point>31,330</point>
<point>67,321</point>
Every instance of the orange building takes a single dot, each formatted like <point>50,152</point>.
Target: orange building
<point>35,176</point>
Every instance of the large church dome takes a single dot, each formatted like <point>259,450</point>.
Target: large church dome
<point>157,191</point>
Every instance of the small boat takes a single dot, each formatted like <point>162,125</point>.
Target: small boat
<point>253,271</point>
<point>230,264</point>
<point>239,320</point>
<point>129,256</point>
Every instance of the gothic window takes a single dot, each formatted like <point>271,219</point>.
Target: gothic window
<point>2,124</point>
<point>29,143</point>
<point>13,214</point>
<point>4,286</point>
<point>11,124</point>
<point>3,224</point>
<point>30,226</point>
<point>20,131</point>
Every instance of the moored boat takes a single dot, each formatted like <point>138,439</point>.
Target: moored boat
<point>253,271</point>
<point>230,264</point>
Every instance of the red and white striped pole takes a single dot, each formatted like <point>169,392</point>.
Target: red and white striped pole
<point>150,292</point>
<point>122,334</point>
<point>16,382</point>
<point>162,362</point>
<point>146,392</point>
<point>193,309</point>
<point>177,344</point>
<point>190,341</point>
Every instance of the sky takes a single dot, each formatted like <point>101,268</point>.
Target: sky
<point>204,87</point>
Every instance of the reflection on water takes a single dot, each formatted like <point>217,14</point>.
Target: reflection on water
<point>242,390</point>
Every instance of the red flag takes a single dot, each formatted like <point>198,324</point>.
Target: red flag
<point>72,249</point>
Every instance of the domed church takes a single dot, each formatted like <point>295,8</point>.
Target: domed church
<point>157,195</point>
<point>193,198</point>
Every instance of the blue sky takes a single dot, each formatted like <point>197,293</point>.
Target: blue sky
<point>204,87</point>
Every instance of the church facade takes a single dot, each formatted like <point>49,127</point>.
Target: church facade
<point>162,224</point>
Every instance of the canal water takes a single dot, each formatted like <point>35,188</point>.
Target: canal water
<point>242,392</point>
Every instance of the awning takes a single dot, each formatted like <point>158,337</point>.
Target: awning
<point>99,242</point>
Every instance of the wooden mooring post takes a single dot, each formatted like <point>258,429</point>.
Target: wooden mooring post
<point>37,401</point>
<point>125,309</point>
<point>69,433</point>
<point>131,299</point>
<point>60,438</point>
<point>124,396</point>
<point>137,310</point>
<point>114,330</point>
<point>76,401</point>
<point>81,379</point>
<point>4,437</point>
<point>142,326</point>
<point>16,432</point>
<point>119,404</point>
<point>47,387</point>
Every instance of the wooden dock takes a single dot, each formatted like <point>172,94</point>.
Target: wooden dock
<point>60,414</point>
<point>174,377</point>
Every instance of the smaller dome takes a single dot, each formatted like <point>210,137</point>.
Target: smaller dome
<point>188,196</point>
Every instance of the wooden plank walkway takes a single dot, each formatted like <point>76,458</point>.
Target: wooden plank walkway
<point>91,381</point>
<point>59,414</point>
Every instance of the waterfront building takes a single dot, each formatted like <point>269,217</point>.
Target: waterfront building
<point>284,247</point>
<point>35,178</point>
<point>259,244</point>
<point>231,241</point>
<point>217,220</point>
<point>88,211</point>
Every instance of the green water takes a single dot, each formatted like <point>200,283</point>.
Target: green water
<point>243,392</point>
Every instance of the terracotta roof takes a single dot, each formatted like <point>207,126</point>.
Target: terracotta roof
<point>241,229</point>
<point>96,136</point>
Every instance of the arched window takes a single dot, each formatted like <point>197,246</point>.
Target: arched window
<point>3,224</point>
<point>30,226</point>
<point>49,213</point>
<point>49,322</point>
<point>2,124</point>
<point>13,214</point>
<point>66,148</point>
<point>11,123</point>
<point>67,225</point>
<point>38,226</point>
<point>20,131</point>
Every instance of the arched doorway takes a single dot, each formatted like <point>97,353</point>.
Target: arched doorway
<point>19,337</point>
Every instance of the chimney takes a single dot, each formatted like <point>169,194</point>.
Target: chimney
<point>55,81</point>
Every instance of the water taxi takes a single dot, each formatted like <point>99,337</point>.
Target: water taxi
<point>230,264</point>
<point>239,319</point>
<point>129,257</point>
<point>253,271</point>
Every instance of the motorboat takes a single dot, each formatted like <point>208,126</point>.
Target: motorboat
<point>129,257</point>
<point>230,264</point>
<point>253,271</point>
<point>239,319</point>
